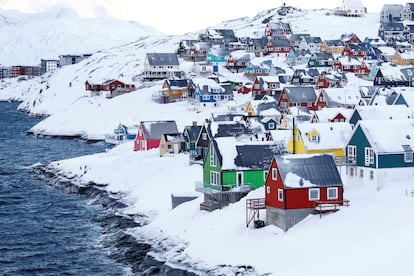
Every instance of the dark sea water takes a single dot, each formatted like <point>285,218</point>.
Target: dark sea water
<point>44,231</point>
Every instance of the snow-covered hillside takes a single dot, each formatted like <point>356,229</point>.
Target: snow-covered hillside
<point>27,38</point>
<point>53,95</point>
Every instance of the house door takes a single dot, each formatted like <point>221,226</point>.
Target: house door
<point>239,176</point>
<point>175,148</point>
<point>143,145</point>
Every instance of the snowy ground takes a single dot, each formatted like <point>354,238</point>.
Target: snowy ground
<point>373,236</point>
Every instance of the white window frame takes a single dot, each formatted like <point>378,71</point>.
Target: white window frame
<point>408,157</point>
<point>351,152</point>
<point>280,195</point>
<point>274,173</point>
<point>369,156</point>
<point>332,189</point>
<point>214,178</point>
<point>268,189</point>
<point>271,125</point>
<point>213,161</point>
<point>310,194</point>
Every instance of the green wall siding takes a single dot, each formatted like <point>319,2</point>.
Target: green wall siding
<point>207,168</point>
<point>361,142</point>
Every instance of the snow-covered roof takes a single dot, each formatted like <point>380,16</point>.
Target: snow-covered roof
<point>329,135</point>
<point>308,170</point>
<point>388,136</point>
<point>342,96</point>
<point>325,115</point>
<point>381,112</point>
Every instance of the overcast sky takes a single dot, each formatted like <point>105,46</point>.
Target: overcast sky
<point>181,16</point>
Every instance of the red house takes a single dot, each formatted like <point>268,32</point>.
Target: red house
<point>110,88</point>
<point>303,96</point>
<point>296,185</point>
<point>266,85</point>
<point>150,133</point>
<point>331,79</point>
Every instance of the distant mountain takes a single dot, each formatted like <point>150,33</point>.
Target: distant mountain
<point>28,37</point>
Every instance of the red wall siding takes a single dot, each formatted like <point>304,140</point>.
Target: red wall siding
<point>271,198</point>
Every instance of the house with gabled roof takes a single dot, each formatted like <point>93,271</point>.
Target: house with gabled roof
<point>403,58</point>
<point>159,66</point>
<point>333,46</point>
<point>405,97</point>
<point>351,64</point>
<point>320,138</point>
<point>296,184</point>
<point>150,133</point>
<point>233,168</point>
<point>331,78</point>
<point>238,61</point>
<point>109,88</point>
<point>307,76</point>
<point>175,90</point>
<point>331,115</point>
<point>266,85</point>
<point>278,47</point>
<point>388,76</point>
<point>321,59</point>
<point>355,50</point>
<point>350,38</point>
<point>352,8</point>
<point>298,96</point>
<point>311,43</point>
<point>380,112</point>
<point>346,97</point>
<point>407,12</point>
<point>190,135</point>
<point>295,39</point>
<point>208,91</point>
<point>297,57</point>
<point>172,143</point>
<point>380,152</point>
<point>391,31</point>
<point>391,13</point>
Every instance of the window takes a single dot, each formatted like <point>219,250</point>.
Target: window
<point>214,178</point>
<point>351,153</point>
<point>361,173</point>
<point>314,139</point>
<point>369,156</point>
<point>268,189</point>
<point>351,171</point>
<point>212,157</point>
<point>274,174</point>
<point>408,152</point>
<point>265,173</point>
<point>204,136</point>
<point>313,194</point>
<point>271,125</point>
<point>371,175</point>
<point>333,193</point>
<point>280,194</point>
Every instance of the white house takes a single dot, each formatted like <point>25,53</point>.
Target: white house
<point>352,8</point>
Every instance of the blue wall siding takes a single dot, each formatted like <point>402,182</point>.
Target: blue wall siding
<point>354,118</point>
<point>359,140</point>
<point>400,101</point>
<point>393,161</point>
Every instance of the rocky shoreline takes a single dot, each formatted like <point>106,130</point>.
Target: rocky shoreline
<point>117,242</point>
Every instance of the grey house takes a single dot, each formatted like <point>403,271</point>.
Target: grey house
<point>161,66</point>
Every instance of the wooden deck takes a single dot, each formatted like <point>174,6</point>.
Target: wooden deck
<point>322,207</point>
<point>253,207</point>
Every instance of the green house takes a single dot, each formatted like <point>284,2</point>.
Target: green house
<point>232,168</point>
<point>380,152</point>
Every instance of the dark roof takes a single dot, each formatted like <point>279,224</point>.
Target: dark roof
<point>177,82</point>
<point>153,130</point>
<point>257,156</point>
<point>162,59</point>
<point>298,94</point>
<point>320,170</point>
<point>174,137</point>
<point>230,130</point>
<point>220,117</point>
<point>193,132</point>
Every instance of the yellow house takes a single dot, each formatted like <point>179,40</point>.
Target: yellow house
<point>266,105</point>
<point>406,58</point>
<point>320,138</point>
<point>334,46</point>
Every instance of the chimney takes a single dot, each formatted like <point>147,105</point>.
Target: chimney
<point>194,123</point>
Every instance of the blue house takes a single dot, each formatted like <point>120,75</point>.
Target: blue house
<point>380,152</point>
<point>121,134</point>
<point>209,91</point>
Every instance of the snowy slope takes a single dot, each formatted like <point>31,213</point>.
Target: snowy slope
<point>26,38</point>
<point>126,62</point>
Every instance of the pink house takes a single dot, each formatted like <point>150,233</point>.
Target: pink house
<point>150,133</point>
